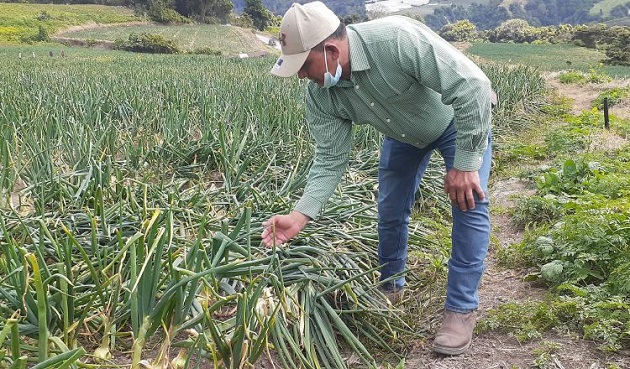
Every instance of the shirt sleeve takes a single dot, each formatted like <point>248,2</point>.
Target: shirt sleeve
<point>333,143</point>
<point>441,67</point>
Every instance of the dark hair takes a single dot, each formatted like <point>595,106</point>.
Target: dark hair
<point>340,33</point>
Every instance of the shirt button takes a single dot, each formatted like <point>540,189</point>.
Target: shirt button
<point>403,135</point>
<point>356,87</point>
<point>388,120</point>
<point>371,104</point>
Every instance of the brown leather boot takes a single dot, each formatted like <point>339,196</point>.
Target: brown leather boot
<point>455,334</point>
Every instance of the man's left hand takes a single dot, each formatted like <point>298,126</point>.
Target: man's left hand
<point>461,186</point>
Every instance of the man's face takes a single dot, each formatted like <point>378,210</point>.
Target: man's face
<point>314,67</point>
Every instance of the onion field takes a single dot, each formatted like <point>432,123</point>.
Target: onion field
<point>133,188</point>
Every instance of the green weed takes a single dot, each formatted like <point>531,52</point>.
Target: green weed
<point>536,210</point>
<point>544,353</point>
<point>572,77</point>
<point>593,75</point>
<point>588,311</point>
<point>613,95</point>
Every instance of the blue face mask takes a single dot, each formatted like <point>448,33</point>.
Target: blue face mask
<point>329,79</point>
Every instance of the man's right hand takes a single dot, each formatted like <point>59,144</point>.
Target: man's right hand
<point>281,228</point>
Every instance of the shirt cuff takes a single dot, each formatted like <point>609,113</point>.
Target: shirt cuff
<point>309,206</point>
<point>468,161</point>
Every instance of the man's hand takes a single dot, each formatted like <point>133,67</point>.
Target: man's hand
<point>281,228</point>
<point>461,186</point>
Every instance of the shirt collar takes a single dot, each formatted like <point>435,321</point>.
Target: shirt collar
<point>358,57</point>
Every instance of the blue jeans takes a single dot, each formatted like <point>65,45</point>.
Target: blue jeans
<point>400,172</point>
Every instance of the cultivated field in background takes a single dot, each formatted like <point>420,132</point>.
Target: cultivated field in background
<point>226,39</point>
<point>548,57</point>
<point>18,20</point>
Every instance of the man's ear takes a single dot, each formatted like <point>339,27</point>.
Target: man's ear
<point>332,50</point>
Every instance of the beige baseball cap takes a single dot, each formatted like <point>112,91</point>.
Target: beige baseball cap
<point>303,27</point>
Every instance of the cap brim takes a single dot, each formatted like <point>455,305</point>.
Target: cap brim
<point>288,65</point>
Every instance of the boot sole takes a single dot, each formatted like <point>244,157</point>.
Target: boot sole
<point>451,351</point>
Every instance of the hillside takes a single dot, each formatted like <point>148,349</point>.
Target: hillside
<point>18,20</point>
<point>279,7</point>
<point>604,6</point>
<point>224,40</point>
<point>96,25</point>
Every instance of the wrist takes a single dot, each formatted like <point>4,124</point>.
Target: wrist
<point>300,218</point>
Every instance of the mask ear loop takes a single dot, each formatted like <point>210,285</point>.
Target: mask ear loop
<point>326,60</point>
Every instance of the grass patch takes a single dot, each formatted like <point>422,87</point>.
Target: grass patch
<point>588,311</point>
<point>614,95</point>
<point>581,78</point>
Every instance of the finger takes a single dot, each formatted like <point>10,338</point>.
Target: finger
<point>269,241</point>
<point>461,200</point>
<point>470,200</point>
<point>267,223</point>
<point>480,193</point>
<point>453,197</point>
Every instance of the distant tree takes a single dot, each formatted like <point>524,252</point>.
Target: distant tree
<point>260,16</point>
<point>353,18</point>
<point>591,37</point>
<point>555,12</point>
<point>463,30</point>
<point>445,15</point>
<point>147,43</point>
<point>488,16</point>
<point>163,11</point>
<point>342,8</point>
<point>205,10</point>
<point>515,30</point>
<point>517,11</point>
<point>618,50</point>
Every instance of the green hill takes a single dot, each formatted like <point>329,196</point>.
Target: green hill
<point>227,40</point>
<point>23,20</point>
<point>90,24</point>
<point>605,6</point>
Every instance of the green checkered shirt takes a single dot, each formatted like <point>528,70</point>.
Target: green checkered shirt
<point>409,84</point>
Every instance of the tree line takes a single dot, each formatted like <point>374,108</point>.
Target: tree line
<point>342,8</point>
<point>535,12</point>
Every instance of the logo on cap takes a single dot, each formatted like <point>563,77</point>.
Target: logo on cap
<point>279,62</point>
